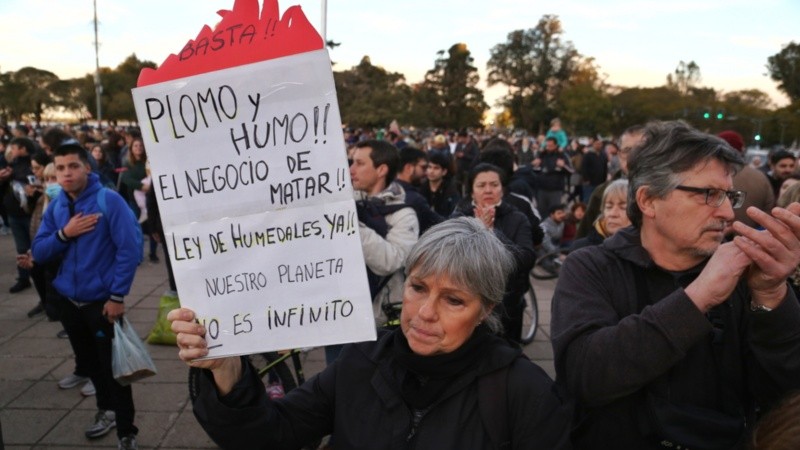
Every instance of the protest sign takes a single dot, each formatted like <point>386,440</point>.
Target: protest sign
<point>243,133</point>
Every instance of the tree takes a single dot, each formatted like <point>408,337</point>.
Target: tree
<point>637,105</point>
<point>28,92</point>
<point>685,77</point>
<point>747,99</point>
<point>369,96</point>
<point>535,65</point>
<point>449,91</point>
<point>784,67</point>
<point>584,105</point>
<point>116,99</point>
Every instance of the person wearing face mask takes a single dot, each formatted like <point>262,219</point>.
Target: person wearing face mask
<point>486,184</point>
<point>34,191</point>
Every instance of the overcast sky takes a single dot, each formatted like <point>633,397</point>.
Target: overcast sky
<point>635,42</point>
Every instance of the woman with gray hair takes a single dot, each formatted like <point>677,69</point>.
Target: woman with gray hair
<point>442,380</point>
<point>613,216</point>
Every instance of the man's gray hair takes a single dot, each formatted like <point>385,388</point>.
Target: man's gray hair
<point>669,149</point>
<point>464,250</point>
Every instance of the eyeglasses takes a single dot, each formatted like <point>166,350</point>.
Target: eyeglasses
<point>715,197</point>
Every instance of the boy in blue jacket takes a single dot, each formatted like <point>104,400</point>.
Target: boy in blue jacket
<point>99,253</point>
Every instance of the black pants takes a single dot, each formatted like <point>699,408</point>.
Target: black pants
<point>43,275</point>
<point>90,335</point>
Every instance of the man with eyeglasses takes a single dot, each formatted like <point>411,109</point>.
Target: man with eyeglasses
<point>666,336</point>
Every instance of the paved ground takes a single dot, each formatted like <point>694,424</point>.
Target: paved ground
<point>35,414</point>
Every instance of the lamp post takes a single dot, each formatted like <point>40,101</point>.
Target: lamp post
<point>98,87</point>
<point>325,21</point>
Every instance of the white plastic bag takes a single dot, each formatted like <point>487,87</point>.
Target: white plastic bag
<point>130,360</point>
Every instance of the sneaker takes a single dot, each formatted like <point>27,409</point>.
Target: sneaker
<point>20,286</point>
<point>128,443</point>
<point>4,230</point>
<point>104,421</point>
<point>275,391</point>
<point>38,309</point>
<point>70,381</point>
<point>88,389</point>
<point>62,334</point>
<point>153,258</point>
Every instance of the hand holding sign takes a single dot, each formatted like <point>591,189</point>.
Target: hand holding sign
<point>249,168</point>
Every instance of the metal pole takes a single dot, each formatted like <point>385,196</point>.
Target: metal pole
<point>325,21</point>
<point>98,87</point>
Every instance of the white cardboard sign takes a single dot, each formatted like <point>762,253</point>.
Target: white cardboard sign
<point>250,174</point>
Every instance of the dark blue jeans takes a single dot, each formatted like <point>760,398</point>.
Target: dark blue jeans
<point>90,335</point>
<point>21,229</point>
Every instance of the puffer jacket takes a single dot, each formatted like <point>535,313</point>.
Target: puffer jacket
<point>387,256</point>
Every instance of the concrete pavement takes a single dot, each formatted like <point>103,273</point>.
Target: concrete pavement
<point>35,414</point>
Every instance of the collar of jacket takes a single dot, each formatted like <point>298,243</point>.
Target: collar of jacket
<point>393,194</point>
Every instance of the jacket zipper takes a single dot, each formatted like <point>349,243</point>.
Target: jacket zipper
<point>416,417</point>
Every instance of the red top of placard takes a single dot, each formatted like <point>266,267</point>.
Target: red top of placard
<point>241,37</point>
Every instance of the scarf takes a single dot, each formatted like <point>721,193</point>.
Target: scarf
<point>427,377</point>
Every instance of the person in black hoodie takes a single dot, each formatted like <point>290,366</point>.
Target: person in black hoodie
<point>442,380</point>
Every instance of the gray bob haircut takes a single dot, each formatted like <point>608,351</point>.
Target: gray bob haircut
<point>669,149</point>
<point>616,187</point>
<point>470,255</point>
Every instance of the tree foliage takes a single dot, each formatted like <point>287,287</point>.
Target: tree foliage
<point>535,65</point>
<point>116,99</point>
<point>584,105</point>
<point>28,92</point>
<point>784,67</point>
<point>370,96</point>
<point>685,77</point>
<point>449,97</point>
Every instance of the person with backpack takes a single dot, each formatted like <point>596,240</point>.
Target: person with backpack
<point>388,226</point>
<point>95,234</point>
<point>442,380</point>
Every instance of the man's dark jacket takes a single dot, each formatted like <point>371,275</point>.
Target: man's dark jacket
<point>610,355</point>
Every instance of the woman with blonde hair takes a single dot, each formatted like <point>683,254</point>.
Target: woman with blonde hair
<point>613,217</point>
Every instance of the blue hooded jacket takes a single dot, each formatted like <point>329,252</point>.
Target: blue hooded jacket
<point>96,265</point>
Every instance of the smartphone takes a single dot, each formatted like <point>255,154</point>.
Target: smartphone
<point>32,179</point>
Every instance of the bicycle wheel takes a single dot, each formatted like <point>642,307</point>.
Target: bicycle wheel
<point>273,364</point>
<point>530,317</point>
<point>547,266</point>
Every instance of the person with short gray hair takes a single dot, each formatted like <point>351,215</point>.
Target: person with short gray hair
<point>442,380</point>
<point>485,263</point>
<point>663,329</point>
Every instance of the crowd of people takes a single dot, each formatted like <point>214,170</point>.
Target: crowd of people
<point>75,202</point>
<point>675,316</point>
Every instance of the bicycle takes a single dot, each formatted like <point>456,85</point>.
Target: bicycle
<point>274,372</point>
<point>530,316</point>
<point>272,368</point>
<point>547,266</point>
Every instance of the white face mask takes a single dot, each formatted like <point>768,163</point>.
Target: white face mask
<point>52,190</point>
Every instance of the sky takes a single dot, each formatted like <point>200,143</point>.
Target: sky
<point>634,42</point>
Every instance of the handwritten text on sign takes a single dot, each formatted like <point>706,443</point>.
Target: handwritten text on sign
<point>250,174</point>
